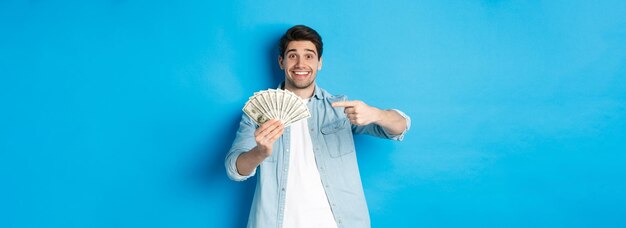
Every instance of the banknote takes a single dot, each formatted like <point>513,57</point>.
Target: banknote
<point>282,105</point>
<point>254,113</point>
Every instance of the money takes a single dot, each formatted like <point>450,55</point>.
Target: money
<point>282,105</point>
<point>254,113</point>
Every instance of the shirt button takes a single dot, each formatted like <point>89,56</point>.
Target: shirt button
<point>285,170</point>
<point>283,189</point>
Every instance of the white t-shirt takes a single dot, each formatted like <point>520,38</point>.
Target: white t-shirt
<point>306,204</point>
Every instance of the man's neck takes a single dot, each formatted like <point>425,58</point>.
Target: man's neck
<point>302,93</point>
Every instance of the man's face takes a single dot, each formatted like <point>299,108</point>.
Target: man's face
<point>300,64</point>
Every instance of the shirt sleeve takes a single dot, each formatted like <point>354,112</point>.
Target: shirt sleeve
<point>244,142</point>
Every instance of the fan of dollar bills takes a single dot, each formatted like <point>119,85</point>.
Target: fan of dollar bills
<point>282,105</point>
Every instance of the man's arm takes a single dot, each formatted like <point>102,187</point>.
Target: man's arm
<point>362,114</point>
<point>265,136</point>
<point>391,121</point>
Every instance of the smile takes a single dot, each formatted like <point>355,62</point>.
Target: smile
<point>301,73</point>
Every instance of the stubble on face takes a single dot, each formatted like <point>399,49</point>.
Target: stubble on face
<point>300,84</point>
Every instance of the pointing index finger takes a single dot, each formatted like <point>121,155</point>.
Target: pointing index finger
<point>344,103</point>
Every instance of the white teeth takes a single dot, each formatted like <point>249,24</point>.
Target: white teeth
<point>301,73</point>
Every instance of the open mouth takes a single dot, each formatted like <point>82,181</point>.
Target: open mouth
<point>301,74</point>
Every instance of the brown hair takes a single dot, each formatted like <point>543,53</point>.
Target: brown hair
<point>301,33</point>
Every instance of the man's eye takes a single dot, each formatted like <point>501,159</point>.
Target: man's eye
<point>309,56</point>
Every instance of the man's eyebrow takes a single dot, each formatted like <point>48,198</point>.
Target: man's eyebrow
<point>309,50</point>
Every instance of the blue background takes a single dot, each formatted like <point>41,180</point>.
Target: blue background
<point>119,113</point>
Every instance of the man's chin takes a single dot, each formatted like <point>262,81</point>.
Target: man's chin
<point>302,85</point>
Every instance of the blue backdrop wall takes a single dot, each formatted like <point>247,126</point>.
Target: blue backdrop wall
<point>119,113</point>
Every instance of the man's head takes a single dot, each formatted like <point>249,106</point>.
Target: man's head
<point>300,33</point>
<point>300,56</point>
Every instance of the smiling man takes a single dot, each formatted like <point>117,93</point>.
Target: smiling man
<point>308,172</point>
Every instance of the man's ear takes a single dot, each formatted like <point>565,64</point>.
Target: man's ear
<point>319,67</point>
<point>280,62</point>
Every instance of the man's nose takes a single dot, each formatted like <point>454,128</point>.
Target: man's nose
<point>298,62</point>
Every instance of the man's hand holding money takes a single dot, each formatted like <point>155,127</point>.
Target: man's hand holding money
<point>266,135</point>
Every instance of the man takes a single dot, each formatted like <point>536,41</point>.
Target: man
<point>308,173</point>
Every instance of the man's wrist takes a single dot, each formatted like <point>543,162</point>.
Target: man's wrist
<point>380,115</point>
<point>259,154</point>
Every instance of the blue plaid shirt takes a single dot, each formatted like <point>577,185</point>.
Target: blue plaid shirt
<point>333,144</point>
